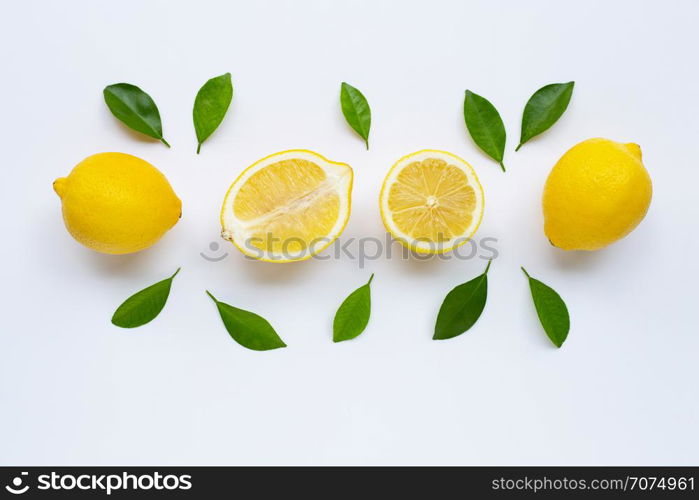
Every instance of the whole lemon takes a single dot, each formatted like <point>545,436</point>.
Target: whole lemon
<point>596,194</point>
<point>116,203</point>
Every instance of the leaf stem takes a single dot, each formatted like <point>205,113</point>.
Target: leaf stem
<point>212,297</point>
<point>490,261</point>
<point>370,279</point>
<point>525,272</point>
<point>198,148</point>
<point>517,148</point>
<point>176,272</point>
<point>367,144</point>
<point>502,166</point>
<point>162,139</point>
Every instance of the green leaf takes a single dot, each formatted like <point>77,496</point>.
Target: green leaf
<point>210,106</point>
<point>544,109</point>
<point>462,307</point>
<point>356,110</point>
<point>353,315</point>
<point>247,328</point>
<point>143,307</point>
<point>135,109</point>
<point>485,126</point>
<point>552,311</point>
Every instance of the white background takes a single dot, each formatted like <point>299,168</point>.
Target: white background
<point>76,390</point>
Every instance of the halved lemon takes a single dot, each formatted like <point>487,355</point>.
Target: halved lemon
<point>287,206</point>
<point>431,201</point>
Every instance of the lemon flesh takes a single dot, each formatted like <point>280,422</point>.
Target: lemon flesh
<point>288,206</point>
<point>431,201</point>
<point>116,203</point>
<point>596,194</point>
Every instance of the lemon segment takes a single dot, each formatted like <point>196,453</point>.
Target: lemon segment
<point>288,206</point>
<point>596,194</point>
<point>431,201</point>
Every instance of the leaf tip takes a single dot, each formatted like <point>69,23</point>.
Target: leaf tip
<point>444,334</point>
<point>212,297</point>
<point>116,321</point>
<point>559,341</point>
<point>109,87</point>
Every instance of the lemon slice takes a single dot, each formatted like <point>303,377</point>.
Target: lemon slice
<point>431,201</point>
<point>287,206</point>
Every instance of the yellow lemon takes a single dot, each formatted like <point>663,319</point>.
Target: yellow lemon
<point>596,194</point>
<point>116,203</point>
<point>431,201</point>
<point>287,206</point>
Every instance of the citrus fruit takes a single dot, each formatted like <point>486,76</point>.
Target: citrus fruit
<point>596,194</point>
<point>431,201</point>
<point>287,206</point>
<point>116,203</point>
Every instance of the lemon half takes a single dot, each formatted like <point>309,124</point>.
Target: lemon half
<point>287,206</point>
<point>431,201</point>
